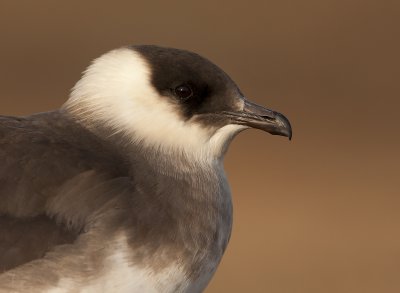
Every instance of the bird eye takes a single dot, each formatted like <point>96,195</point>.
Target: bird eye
<point>184,92</point>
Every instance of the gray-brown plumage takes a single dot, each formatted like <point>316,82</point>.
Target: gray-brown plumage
<point>123,189</point>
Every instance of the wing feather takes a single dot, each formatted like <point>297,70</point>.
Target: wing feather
<point>54,175</point>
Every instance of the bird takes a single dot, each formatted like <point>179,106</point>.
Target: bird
<point>123,189</point>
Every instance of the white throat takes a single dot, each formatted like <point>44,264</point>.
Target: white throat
<point>116,91</point>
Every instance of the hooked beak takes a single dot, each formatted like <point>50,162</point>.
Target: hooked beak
<point>256,116</point>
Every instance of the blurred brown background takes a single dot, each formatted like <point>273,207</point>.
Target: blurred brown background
<point>318,214</point>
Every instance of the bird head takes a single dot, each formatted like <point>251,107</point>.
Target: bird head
<point>168,100</point>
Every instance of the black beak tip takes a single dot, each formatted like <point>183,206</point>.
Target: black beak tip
<point>284,125</point>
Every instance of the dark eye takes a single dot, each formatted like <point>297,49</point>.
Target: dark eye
<point>184,92</point>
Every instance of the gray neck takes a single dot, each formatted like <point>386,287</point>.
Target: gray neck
<point>195,193</point>
<point>175,190</point>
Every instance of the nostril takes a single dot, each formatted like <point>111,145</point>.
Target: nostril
<point>259,111</point>
<point>266,117</point>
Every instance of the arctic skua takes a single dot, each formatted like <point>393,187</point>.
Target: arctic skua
<point>123,188</point>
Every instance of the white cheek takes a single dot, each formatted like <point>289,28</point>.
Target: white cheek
<point>223,136</point>
<point>116,91</point>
